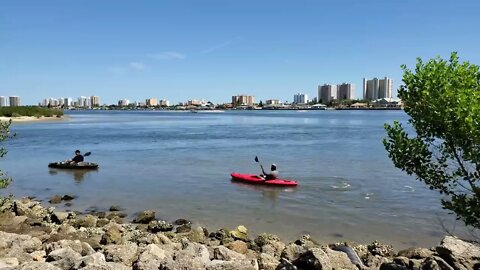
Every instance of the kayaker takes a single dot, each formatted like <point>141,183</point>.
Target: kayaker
<point>77,158</point>
<point>273,173</point>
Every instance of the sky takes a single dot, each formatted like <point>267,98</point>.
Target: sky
<point>213,49</point>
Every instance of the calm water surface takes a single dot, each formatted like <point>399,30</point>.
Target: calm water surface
<point>179,163</point>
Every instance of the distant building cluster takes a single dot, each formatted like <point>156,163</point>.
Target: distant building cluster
<point>81,102</point>
<point>300,98</point>
<point>243,100</point>
<point>13,101</point>
<point>377,88</point>
<point>329,92</point>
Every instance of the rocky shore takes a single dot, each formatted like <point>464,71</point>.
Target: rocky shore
<point>35,237</point>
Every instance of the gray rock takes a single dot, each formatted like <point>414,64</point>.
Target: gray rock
<point>377,248</point>
<point>458,253</point>
<point>238,246</point>
<point>115,208</point>
<point>37,265</point>
<point>197,235</point>
<point>145,217</point>
<point>182,221</point>
<point>286,265</point>
<point>392,266</point>
<point>224,254</point>
<point>230,265</point>
<point>124,254</point>
<point>151,258</point>
<point>436,263</point>
<point>403,261</point>
<point>64,258</point>
<point>75,245</point>
<point>107,266</point>
<point>292,251</point>
<point>416,253</point>
<point>68,197</point>
<point>265,239</point>
<point>39,255</point>
<point>240,233</point>
<point>59,217</point>
<point>8,262</point>
<point>184,228</point>
<point>193,256</point>
<point>88,221</point>
<point>274,248</point>
<point>159,226</point>
<point>267,262</point>
<point>326,258</point>
<point>12,241</point>
<point>113,234</point>
<point>93,259</point>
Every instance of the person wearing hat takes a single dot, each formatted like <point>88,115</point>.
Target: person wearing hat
<point>77,158</point>
<point>273,173</point>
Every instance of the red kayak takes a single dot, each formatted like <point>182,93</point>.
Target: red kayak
<point>255,179</point>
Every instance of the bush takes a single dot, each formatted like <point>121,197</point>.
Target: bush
<point>29,111</point>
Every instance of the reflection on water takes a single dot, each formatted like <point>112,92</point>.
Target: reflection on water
<point>269,192</point>
<point>78,175</point>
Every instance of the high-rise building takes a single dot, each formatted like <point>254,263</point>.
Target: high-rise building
<point>14,101</point>
<point>151,102</point>
<point>327,93</point>
<point>3,101</point>
<point>123,102</point>
<point>272,102</point>
<point>95,101</point>
<point>67,102</point>
<point>300,98</point>
<point>164,103</point>
<point>345,91</point>
<point>377,88</point>
<point>243,100</point>
<point>83,102</point>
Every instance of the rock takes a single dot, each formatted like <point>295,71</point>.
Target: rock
<point>36,266</point>
<point>88,221</point>
<point>224,254</point>
<point>39,256</point>
<point>93,259</point>
<point>220,234</point>
<point>87,249</point>
<point>403,261</point>
<point>326,258</point>
<point>107,266</point>
<point>197,235</point>
<point>60,217</point>
<point>416,253</point>
<point>458,253</point>
<point>115,208</point>
<point>241,233</point>
<point>286,265</point>
<point>68,197</point>
<point>101,222</point>
<point>380,249</point>
<point>75,245</point>
<point>238,246</point>
<point>11,243</point>
<point>113,234</point>
<point>115,216</point>
<point>230,265</point>
<point>275,249</point>
<point>184,228</point>
<point>292,252</point>
<point>64,258</point>
<point>193,256</point>
<point>265,239</point>
<point>55,199</point>
<point>145,217</point>
<point>124,254</point>
<point>267,262</point>
<point>436,263</point>
<point>8,262</point>
<point>375,261</point>
<point>307,242</point>
<point>182,221</point>
<point>159,226</point>
<point>392,266</point>
<point>150,258</point>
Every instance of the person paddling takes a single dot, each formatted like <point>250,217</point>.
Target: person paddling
<point>273,173</point>
<point>77,158</point>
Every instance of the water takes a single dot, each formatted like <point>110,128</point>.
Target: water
<point>178,163</point>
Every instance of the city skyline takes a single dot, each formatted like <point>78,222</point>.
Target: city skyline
<point>213,49</point>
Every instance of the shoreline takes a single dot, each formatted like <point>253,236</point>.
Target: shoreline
<point>35,237</point>
<point>30,119</point>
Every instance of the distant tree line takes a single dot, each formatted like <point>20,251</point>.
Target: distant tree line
<point>29,111</point>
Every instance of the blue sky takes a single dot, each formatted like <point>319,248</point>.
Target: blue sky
<point>181,50</point>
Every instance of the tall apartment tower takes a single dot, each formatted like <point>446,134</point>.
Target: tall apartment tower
<point>377,88</point>
<point>14,101</point>
<point>3,101</point>
<point>345,91</point>
<point>300,98</point>
<point>243,100</point>
<point>95,101</point>
<point>327,93</point>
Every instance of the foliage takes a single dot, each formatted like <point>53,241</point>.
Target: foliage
<point>4,135</point>
<point>29,111</point>
<point>443,100</point>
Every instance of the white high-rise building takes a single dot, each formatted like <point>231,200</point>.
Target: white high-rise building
<point>84,102</point>
<point>14,101</point>
<point>95,101</point>
<point>67,102</point>
<point>327,93</point>
<point>345,91</point>
<point>377,88</point>
<point>3,101</point>
<point>300,98</point>
<point>164,103</point>
<point>123,102</point>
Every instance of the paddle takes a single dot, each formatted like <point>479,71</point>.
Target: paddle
<point>87,154</point>
<point>263,171</point>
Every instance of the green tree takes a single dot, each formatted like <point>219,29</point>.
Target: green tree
<point>4,180</point>
<point>443,100</point>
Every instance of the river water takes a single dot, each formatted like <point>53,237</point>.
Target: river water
<point>179,164</point>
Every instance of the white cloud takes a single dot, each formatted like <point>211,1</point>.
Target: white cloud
<point>137,65</point>
<point>117,70</point>
<point>169,55</point>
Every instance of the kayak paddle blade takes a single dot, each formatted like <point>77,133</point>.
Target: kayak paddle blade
<point>256,159</point>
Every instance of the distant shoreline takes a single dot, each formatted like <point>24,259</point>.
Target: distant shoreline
<point>30,119</point>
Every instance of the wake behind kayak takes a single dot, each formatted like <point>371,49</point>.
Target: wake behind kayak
<point>255,179</point>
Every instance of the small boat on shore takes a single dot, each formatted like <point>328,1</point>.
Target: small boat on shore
<point>257,180</point>
<point>74,166</point>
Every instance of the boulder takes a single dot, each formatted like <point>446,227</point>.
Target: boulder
<point>196,235</point>
<point>458,253</point>
<point>220,234</point>
<point>37,265</point>
<point>145,217</point>
<point>18,246</point>
<point>265,239</point>
<point>107,266</point>
<point>325,258</point>
<point>124,254</point>
<point>377,248</point>
<point>230,265</point>
<point>92,260</point>
<point>88,221</point>
<point>307,242</point>
<point>38,256</point>
<point>156,226</point>
<point>75,245</point>
<point>115,208</point>
<point>59,217</point>
<point>393,266</point>
<point>267,262</point>
<point>68,197</point>
<point>113,234</point>
<point>275,249</point>
<point>193,256</point>
<point>182,221</point>
<point>64,258</point>
<point>292,251</point>
<point>150,258</point>
<point>286,265</point>
<point>224,254</point>
<point>184,228</point>
<point>435,263</point>
<point>241,233</point>
<point>238,246</point>
<point>55,199</point>
<point>416,253</point>
<point>8,262</point>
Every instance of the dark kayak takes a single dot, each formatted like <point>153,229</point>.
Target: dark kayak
<point>255,179</point>
<point>74,166</point>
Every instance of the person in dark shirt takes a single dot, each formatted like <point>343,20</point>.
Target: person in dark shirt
<point>273,174</point>
<point>77,158</point>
